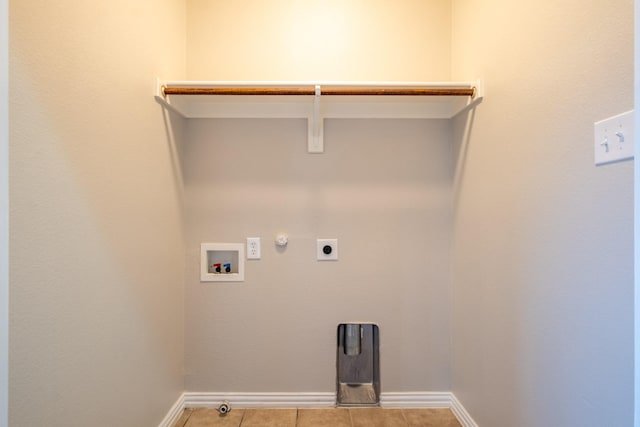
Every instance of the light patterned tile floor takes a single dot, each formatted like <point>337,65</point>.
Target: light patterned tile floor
<point>330,417</point>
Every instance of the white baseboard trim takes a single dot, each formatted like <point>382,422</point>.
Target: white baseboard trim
<point>314,400</point>
<point>418,399</point>
<point>174,413</point>
<point>261,400</point>
<point>461,413</point>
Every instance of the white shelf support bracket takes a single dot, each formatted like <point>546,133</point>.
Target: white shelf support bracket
<point>162,99</point>
<point>315,141</point>
<point>475,100</point>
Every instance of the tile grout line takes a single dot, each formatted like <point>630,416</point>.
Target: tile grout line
<point>188,418</point>
<point>186,421</point>
<point>404,417</point>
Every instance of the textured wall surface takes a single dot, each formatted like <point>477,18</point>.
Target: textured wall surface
<point>539,327</point>
<point>382,188</point>
<point>96,307</point>
<point>319,40</point>
<point>543,251</point>
<point>4,212</point>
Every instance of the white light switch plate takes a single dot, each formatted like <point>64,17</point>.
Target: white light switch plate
<point>613,139</point>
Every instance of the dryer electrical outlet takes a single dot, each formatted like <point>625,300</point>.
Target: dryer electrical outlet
<point>327,249</point>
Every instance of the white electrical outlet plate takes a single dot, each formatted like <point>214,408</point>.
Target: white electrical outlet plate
<point>613,139</point>
<point>327,249</point>
<point>253,248</point>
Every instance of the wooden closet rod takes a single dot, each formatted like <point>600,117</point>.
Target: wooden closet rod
<point>337,91</point>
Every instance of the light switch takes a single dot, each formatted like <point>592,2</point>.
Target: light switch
<point>613,139</point>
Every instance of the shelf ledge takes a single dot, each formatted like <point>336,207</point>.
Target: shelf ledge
<point>317,101</point>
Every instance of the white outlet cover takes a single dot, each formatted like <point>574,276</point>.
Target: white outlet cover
<point>613,139</point>
<point>253,248</point>
<point>333,255</point>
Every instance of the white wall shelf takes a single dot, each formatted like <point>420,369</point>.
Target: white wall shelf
<point>317,101</point>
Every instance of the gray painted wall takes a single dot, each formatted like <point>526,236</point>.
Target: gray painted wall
<point>542,323</point>
<point>96,308</point>
<point>541,312</point>
<point>382,187</point>
<point>636,240</point>
<point>4,212</point>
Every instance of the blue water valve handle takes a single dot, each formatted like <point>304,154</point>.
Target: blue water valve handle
<point>227,268</point>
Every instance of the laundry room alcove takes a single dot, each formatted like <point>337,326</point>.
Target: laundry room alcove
<point>495,258</point>
<point>383,186</point>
